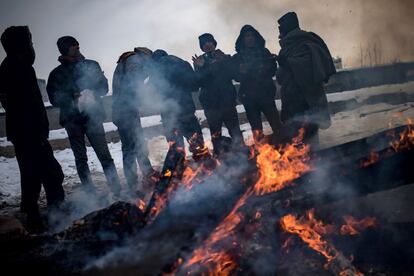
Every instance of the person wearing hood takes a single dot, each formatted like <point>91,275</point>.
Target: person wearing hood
<point>174,81</point>
<point>254,67</point>
<point>305,64</point>
<point>127,83</point>
<point>218,94</point>
<point>76,87</point>
<point>27,125</point>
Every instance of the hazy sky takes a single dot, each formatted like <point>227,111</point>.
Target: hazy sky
<point>105,29</point>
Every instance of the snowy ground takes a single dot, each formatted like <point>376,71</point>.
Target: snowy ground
<point>346,126</point>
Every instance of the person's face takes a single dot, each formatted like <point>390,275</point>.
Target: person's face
<point>74,51</point>
<point>209,47</point>
<point>28,52</point>
<point>249,40</point>
<point>280,33</point>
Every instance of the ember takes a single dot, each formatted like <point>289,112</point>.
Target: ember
<point>277,168</point>
<point>313,231</point>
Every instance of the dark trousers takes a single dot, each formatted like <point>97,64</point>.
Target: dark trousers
<point>38,166</point>
<point>134,149</point>
<point>177,127</point>
<point>254,108</point>
<point>96,136</point>
<point>216,118</point>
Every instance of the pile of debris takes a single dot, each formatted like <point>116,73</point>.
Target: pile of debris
<point>270,213</point>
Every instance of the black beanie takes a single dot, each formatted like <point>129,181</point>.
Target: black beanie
<point>159,53</point>
<point>16,39</point>
<point>65,42</point>
<point>288,22</point>
<point>204,38</point>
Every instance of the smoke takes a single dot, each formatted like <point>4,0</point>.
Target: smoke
<point>188,218</point>
<point>106,29</point>
<point>382,28</point>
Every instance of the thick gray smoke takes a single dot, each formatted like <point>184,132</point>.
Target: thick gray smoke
<point>379,29</point>
<point>107,29</point>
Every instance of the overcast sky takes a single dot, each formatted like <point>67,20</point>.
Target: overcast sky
<point>105,29</point>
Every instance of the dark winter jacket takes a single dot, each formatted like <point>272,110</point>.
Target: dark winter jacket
<point>174,79</point>
<point>128,79</point>
<point>260,67</point>
<point>305,63</point>
<point>69,79</point>
<point>21,98</point>
<point>215,80</point>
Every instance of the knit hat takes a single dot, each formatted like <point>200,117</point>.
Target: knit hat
<point>65,42</point>
<point>157,54</point>
<point>206,37</point>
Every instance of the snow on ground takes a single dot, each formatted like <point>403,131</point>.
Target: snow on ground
<point>359,95</point>
<point>346,126</point>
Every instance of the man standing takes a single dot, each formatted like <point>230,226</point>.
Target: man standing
<point>217,95</point>
<point>76,87</point>
<point>27,125</point>
<point>174,80</point>
<point>255,67</point>
<point>127,82</point>
<point>305,64</point>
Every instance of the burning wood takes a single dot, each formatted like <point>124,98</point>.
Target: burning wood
<point>176,172</point>
<point>354,227</point>
<point>311,231</point>
<point>258,199</point>
<point>403,140</point>
<point>276,169</point>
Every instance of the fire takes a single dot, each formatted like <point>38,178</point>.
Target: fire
<point>373,158</point>
<point>168,173</point>
<point>354,227</point>
<point>311,231</point>
<point>405,139</point>
<point>188,179</point>
<point>303,227</point>
<point>141,205</point>
<point>277,169</point>
<point>216,260</point>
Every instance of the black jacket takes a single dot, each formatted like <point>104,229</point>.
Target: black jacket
<point>257,82</point>
<point>21,98</point>
<point>305,63</point>
<point>127,82</point>
<point>215,79</point>
<point>174,79</point>
<point>71,78</point>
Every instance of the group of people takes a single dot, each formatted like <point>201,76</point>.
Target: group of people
<point>77,84</point>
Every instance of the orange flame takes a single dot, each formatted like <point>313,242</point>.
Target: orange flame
<point>305,231</point>
<point>354,227</point>
<point>373,158</point>
<point>277,168</point>
<point>405,139</point>
<point>311,230</point>
<point>141,205</point>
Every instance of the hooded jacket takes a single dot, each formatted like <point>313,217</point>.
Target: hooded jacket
<point>26,118</point>
<point>69,79</point>
<point>128,79</point>
<point>305,64</point>
<point>21,98</point>
<point>257,82</point>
